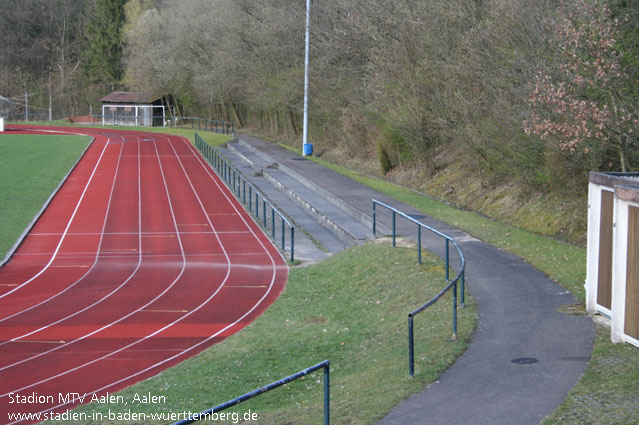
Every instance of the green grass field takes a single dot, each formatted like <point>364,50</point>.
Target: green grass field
<point>31,167</point>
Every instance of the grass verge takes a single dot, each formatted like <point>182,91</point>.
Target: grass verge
<point>350,309</point>
<point>608,392</point>
<point>32,167</point>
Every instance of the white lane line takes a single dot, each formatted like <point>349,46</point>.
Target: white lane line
<point>145,234</point>
<point>120,319</point>
<point>195,346</point>
<point>95,262</point>
<point>163,311</point>
<point>86,187</point>
<point>96,254</point>
<point>239,209</point>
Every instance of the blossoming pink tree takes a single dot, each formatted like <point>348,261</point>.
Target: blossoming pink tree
<point>582,105</point>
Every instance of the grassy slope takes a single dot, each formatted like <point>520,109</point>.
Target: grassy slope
<point>608,392</point>
<point>31,168</point>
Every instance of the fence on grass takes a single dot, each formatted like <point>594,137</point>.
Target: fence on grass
<point>249,195</point>
<point>193,123</point>
<point>200,124</point>
<point>459,277</point>
<point>323,365</point>
<point>26,117</point>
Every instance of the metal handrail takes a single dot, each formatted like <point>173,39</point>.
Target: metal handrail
<point>25,117</point>
<point>323,365</point>
<point>451,283</point>
<point>238,184</point>
<point>214,126</point>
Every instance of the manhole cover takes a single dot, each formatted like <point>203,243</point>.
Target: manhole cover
<point>525,360</point>
<point>416,216</point>
<point>299,159</point>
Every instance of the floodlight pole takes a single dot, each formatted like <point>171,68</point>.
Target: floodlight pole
<point>308,23</point>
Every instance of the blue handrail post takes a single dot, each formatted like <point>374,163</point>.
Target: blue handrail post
<point>419,244</point>
<point>292,244</point>
<point>393,229</point>
<point>447,260</point>
<point>327,394</point>
<point>283,235</point>
<point>455,311</point>
<point>264,212</point>
<point>411,352</point>
<point>272,223</point>
<point>374,218</point>
<point>257,206</point>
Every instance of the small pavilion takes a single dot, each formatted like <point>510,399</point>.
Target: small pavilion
<point>135,108</point>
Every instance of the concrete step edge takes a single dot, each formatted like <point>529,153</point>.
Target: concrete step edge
<point>334,200</point>
<point>341,234</point>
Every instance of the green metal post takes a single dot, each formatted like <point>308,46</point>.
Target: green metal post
<point>257,205</point>
<point>455,311</point>
<point>283,234</point>
<point>272,223</point>
<point>419,244</point>
<point>393,229</point>
<point>373,218</point>
<point>411,351</point>
<point>327,396</point>
<point>264,212</point>
<point>447,260</point>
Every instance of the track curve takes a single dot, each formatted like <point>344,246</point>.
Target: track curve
<point>143,258</point>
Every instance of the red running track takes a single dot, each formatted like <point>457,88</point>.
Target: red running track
<point>143,259</point>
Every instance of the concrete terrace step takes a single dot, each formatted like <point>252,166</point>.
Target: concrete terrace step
<point>325,209</point>
<point>312,234</point>
<point>316,189</point>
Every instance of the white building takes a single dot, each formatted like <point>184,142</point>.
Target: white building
<point>612,282</point>
<point>135,108</point>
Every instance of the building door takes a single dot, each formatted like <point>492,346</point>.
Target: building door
<point>631,322</point>
<point>604,280</point>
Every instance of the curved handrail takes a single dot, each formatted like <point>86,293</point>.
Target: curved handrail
<point>452,283</point>
<point>207,414</point>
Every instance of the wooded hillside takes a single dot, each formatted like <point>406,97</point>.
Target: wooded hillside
<point>530,94</point>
